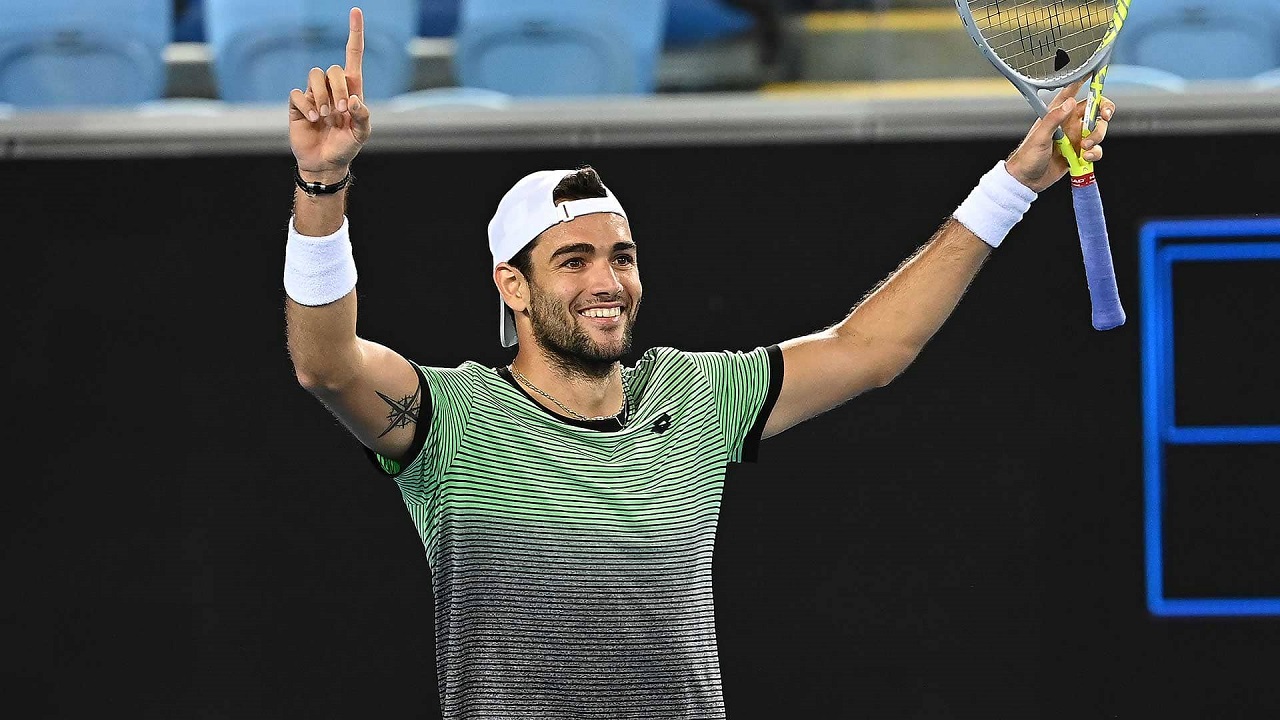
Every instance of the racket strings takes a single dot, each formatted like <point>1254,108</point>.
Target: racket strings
<point>1054,13</point>
<point>1049,45</point>
<point>1043,39</point>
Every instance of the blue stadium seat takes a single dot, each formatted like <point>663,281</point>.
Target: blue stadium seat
<point>438,18</point>
<point>1202,39</point>
<point>688,21</point>
<point>1269,80</point>
<point>188,22</point>
<point>1143,77</point>
<point>445,97</point>
<point>76,53</point>
<point>263,48</point>
<point>694,21</point>
<point>544,48</point>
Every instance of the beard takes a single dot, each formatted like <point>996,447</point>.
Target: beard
<point>568,345</point>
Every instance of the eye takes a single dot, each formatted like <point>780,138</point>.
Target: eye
<point>570,263</point>
<point>626,259</point>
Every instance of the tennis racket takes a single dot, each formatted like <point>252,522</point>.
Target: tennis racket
<point>1047,45</point>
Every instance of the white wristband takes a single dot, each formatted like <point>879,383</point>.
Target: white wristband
<point>318,270</point>
<point>995,205</point>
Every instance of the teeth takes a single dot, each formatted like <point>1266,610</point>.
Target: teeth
<point>603,312</point>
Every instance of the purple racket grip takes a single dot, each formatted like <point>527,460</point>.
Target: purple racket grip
<point>1096,247</point>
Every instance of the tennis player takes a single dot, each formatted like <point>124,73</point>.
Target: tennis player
<point>568,504</point>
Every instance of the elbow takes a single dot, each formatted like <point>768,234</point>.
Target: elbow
<point>872,363</point>
<point>310,381</point>
<point>308,375</point>
<point>894,364</point>
<point>888,378</point>
<point>322,382</point>
<point>322,379</point>
<point>325,371</point>
<point>883,378</point>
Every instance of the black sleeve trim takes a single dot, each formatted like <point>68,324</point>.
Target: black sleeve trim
<point>419,433</point>
<point>751,445</point>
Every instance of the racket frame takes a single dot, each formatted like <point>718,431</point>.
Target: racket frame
<point>1029,87</point>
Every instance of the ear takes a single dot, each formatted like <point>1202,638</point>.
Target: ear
<point>513,287</point>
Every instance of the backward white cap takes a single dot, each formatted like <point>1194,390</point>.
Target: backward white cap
<point>525,212</point>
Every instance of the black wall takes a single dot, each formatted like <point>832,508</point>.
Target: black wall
<point>192,535</point>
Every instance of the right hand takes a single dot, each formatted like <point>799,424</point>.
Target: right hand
<point>1037,163</point>
<point>329,123</point>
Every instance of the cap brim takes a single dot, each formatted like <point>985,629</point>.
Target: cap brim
<point>506,324</point>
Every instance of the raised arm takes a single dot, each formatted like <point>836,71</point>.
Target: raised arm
<point>370,388</point>
<point>884,334</point>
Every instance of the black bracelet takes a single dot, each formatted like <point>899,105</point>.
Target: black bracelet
<point>315,188</point>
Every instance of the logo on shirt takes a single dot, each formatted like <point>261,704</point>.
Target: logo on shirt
<point>662,423</point>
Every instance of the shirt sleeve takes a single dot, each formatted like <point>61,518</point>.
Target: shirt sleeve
<point>442,421</point>
<point>745,386</point>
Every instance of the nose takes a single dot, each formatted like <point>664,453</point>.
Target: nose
<point>604,280</point>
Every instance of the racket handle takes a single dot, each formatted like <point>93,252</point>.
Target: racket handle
<point>1096,248</point>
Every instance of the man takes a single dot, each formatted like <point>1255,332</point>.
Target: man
<point>568,504</point>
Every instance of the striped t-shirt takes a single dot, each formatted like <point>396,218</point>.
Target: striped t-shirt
<point>571,561</point>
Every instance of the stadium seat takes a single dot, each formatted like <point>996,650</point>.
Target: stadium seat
<point>188,21</point>
<point>1269,80</point>
<point>695,21</point>
<point>438,18</point>
<point>458,97</point>
<point>1145,78</point>
<point>73,53</point>
<point>542,48</point>
<point>1202,39</point>
<point>261,50</point>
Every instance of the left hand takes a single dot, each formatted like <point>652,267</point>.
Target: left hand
<point>1037,163</point>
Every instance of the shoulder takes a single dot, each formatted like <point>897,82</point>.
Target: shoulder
<point>707,362</point>
<point>456,386</point>
<point>658,354</point>
<point>659,358</point>
<point>468,372</point>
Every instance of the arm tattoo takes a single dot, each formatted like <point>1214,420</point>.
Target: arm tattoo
<point>404,412</point>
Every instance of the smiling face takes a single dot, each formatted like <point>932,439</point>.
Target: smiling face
<point>583,293</point>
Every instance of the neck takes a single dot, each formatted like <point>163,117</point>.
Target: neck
<point>590,393</point>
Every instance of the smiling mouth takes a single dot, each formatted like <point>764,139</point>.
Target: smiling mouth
<point>603,317</point>
<point>601,312</point>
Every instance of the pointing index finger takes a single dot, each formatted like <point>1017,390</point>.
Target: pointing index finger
<point>355,42</point>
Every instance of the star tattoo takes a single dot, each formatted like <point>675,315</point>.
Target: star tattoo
<point>403,413</point>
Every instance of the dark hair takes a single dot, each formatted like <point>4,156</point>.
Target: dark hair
<point>582,184</point>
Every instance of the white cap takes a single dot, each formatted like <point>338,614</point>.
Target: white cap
<point>523,214</point>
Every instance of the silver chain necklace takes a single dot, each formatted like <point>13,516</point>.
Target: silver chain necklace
<point>579,416</point>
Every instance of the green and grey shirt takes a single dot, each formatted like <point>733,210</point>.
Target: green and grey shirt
<point>571,561</point>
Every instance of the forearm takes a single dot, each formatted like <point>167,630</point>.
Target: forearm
<point>904,311</point>
<point>322,338</point>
